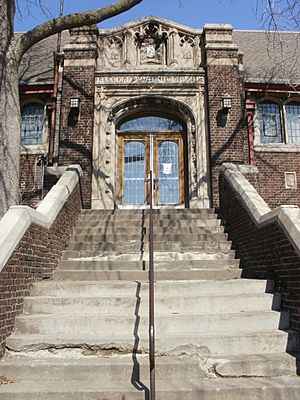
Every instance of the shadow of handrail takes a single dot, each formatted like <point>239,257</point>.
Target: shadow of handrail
<point>136,370</point>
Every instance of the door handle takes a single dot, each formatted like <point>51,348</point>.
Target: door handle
<point>155,183</point>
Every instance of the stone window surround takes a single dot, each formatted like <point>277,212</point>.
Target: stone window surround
<point>36,148</point>
<point>283,147</point>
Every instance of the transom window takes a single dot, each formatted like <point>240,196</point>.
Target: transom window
<point>32,124</point>
<point>279,123</point>
<point>150,124</point>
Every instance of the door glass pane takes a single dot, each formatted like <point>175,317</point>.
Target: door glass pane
<point>134,173</point>
<point>168,173</point>
<point>151,124</point>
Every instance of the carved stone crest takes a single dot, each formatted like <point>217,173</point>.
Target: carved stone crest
<point>150,51</point>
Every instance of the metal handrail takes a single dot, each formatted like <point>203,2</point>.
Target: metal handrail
<point>151,295</point>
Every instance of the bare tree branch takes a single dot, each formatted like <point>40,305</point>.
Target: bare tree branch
<point>56,25</point>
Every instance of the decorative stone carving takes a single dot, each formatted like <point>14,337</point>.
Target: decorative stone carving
<point>111,53</point>
<point>150,43</point>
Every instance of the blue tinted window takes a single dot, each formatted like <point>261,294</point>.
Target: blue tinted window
<point>151,124</point>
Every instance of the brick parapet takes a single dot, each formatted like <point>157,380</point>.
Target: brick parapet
<point>267,241</point>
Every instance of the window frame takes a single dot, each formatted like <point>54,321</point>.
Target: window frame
<point>43,146</point>
<point>284,145</point>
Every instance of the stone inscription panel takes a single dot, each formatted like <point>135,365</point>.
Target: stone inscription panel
<point>149,79</point>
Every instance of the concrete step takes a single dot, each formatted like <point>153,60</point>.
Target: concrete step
<point>140,218</point>
<point>166,237</point>
<point>192,245</point>
<point>98,275</point>
<point>218,343</point>
<point>160,256</point>
<point>164,212</point>
<point>116,265</point>
<point>131,229</point>
<point>164,304</point>
<point>235,287</point>
<point>30,366</point>
<point>256,365</point>
<point>81,365</point>
<point>218,389</point>
<point>158,223</point>
<point>246,321</point>
<point>99,254</point>
<point>94,224</point>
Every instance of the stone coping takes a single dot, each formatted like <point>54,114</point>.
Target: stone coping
<point>287,216</point>
<point>18,219</point>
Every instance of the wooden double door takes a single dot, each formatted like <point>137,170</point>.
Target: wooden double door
<point>163,153</point>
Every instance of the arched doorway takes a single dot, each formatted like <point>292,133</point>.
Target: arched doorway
<point>156,143</point>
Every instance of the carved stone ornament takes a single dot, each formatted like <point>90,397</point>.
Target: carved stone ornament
<point>150,51</point>
<point>152,42</point>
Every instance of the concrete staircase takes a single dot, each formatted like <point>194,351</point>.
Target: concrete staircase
<point>84,334</point>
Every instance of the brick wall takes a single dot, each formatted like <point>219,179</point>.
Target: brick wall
<point>34,259</point>
<point>76,141</point>
<point>271,186</point>
<point>30,186</point>
<point>265,253</point>
<point>228,133</point>
<point>76,137</point>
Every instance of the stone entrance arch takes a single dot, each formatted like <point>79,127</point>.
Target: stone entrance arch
<point>134,77</point>
<point>108,116</point>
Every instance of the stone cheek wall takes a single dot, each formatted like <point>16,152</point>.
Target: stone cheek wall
<point>265,253</point>
<point>35,257</point>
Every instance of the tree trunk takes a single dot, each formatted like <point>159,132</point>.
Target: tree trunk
<point>10,127</point>
<point>11,51</point>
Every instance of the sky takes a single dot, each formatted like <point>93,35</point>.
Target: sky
<point>194,13</point>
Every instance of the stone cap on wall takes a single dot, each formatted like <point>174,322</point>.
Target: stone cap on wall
<point>18,219</point>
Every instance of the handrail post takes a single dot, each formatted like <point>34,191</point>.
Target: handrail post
<point>151,296</point>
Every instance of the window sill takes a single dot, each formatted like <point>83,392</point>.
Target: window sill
<point>277,148</point>
<point>34,149</point>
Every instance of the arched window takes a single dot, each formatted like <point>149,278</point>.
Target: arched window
<point>269,122</point>
<point>150,124</point>
<point>292,115</point>
<point>32,124</point>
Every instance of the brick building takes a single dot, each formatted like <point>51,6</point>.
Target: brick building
<point>155,94</point>
<point>214,114</point>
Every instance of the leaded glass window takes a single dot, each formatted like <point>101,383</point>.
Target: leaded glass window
<point>269,122</point>
<point>150,124</point>
<point>168,172</point>
<point>134,173</point>
<point>32,124</point>
<point>292,113</point>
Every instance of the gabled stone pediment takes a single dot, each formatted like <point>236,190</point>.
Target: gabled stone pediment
<point>149,43</point>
